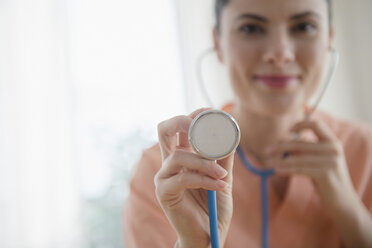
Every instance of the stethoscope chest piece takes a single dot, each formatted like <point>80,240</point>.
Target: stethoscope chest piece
<point>214,134</point>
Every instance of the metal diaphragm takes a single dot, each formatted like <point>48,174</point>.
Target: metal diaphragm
<point>214,134</point>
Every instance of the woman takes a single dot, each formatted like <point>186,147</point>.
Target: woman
<point>320,196</point>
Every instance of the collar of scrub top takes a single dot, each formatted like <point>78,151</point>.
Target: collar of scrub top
<point>264,174</point>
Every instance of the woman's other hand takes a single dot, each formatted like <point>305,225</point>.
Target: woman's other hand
<point>324,160</point>
<point>325,163</point>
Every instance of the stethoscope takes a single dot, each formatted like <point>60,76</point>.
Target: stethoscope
<point>215,134</point>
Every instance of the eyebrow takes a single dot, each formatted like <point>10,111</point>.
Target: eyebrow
<point>264,19</point>
<point>252,16</point>
<point>305,14</point>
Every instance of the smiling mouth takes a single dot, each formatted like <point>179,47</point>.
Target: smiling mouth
<point>276,81</point>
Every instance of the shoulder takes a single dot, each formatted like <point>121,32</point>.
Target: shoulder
<point>147,166</point>
<point>152,154</point>
<point>150,159</point>
<point>347,131</point>
<point>356,139</point>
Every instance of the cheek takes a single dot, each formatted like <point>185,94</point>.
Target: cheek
<point>311,59</point>
<point>241,62</point>
<point>241,58</point>
<point>243,51</point>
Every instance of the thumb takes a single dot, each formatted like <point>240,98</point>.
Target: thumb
<point>183,140</point>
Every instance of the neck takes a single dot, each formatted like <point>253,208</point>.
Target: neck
<point>258,131</point>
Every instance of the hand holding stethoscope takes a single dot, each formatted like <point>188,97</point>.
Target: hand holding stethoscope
<point>185,176</point>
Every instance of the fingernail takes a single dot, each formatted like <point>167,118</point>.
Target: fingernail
<point>270,149</point>
<point>221,172</point>
<point>221,184</point>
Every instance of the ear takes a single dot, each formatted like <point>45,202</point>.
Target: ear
<point>332,34</point>
<point>217,45</point>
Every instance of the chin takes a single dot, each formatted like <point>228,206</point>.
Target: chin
<point>275,107</point>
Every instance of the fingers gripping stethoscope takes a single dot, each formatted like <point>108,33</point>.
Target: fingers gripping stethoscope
<point>215,134</point>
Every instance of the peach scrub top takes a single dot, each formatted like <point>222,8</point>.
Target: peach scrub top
<point>296,220</point>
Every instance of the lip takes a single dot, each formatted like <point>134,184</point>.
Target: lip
<point>276,81</point>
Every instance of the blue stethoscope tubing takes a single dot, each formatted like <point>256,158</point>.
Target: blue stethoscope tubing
<point>264,174</point>
<point>213,221</point>
<point>212,203</point>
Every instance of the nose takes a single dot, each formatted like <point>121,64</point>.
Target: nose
<point>279,50</point>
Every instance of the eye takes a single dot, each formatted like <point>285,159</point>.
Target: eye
<point>304,27</point>
<point>251,29</point>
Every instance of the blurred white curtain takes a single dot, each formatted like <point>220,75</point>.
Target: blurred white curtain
<point>127,73</point>
<point>349,93</point>
<point>39,204</point>
<point>83,85</point>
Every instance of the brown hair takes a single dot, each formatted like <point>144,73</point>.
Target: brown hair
<point>220,4</point>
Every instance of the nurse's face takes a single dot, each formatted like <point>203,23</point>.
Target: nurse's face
<point>275,51</point>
